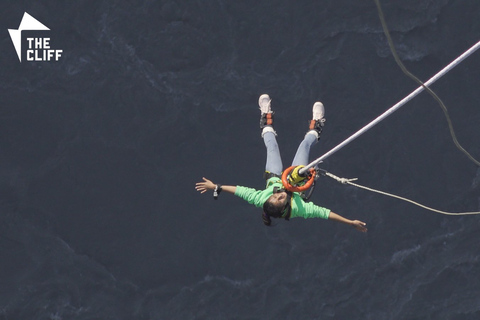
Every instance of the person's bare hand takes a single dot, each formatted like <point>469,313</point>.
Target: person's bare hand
<point>359,225</point>
<point>204,186</point>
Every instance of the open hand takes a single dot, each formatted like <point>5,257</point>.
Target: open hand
<point>204,186</point>
<point>359,225</point>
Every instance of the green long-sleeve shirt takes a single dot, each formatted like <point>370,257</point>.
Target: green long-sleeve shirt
<point>300,208</point>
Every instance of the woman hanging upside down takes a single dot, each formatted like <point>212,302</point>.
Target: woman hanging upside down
<point>275,200</point>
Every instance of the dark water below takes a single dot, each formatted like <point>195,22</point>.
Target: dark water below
<point>100,151</point>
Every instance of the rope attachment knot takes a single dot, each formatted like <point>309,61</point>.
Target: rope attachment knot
<point>341,180</point>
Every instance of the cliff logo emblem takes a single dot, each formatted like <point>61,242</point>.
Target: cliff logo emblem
<point>38,47</point>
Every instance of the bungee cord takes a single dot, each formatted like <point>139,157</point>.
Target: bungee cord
<point>423,86</point>
<point>394,108</point>
<point>418,81</point>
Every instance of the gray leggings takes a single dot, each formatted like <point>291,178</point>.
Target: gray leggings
<point>274,160</point>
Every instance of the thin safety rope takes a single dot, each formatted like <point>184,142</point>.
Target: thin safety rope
<point>430,91</point>
<point>349,181</point>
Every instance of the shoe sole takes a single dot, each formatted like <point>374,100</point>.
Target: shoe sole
<point>264,103</point>
<point>318,111</point>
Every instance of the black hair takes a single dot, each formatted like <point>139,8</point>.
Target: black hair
<point>266,219</point>
<point>271,210</point>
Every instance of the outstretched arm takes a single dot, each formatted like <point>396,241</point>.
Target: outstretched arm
<point>359,225</point>
<point>206,185</point>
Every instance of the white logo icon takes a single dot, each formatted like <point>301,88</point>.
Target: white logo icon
<point>38,48</point>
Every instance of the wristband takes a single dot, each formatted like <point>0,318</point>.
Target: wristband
<point>216,191</point>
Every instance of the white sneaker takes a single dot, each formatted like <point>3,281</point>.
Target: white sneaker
<point>264,102</point>
<point>318,120</point>
<point>318,111</point>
